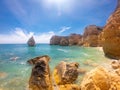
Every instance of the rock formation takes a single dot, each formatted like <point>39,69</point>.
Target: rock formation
<point>33,61</point>
<point>90,36</point>
<point>65,74</point>
<point>31,42</point>
<point>111,35</point>
<point>103,78</point>
<point>74,39</point>
<point>40,77</point>
<point>55,40</point>
<point>64,41</point>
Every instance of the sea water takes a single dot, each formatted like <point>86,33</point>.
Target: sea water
<point>15,71</point>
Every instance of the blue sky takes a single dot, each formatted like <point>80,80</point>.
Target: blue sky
<point>20,19</point>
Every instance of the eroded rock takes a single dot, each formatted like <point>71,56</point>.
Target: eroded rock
<point>66,73</point>
<point>103,78</point>
<point>40,77</point>
<point>31,42</point>
<point>111,35</point>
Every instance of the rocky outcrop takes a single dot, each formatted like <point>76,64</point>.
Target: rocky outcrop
<point>55,40</point>
<point>103,78</point>
<point>31,42</point>
<point>33,61</point>
<point>72,39</point>
<point>111,35</point>
<point>64,41</point>
<point>90,36</point>
<point>65,74</point>
<point>40,77</point>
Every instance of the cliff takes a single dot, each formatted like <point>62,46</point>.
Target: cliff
<point>111,35</point>
<point>89,38</point>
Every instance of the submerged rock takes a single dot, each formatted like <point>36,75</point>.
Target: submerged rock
<point>40,77</point>
<point>103,78</point>
<point>111,35</point>
<point>31,41</point>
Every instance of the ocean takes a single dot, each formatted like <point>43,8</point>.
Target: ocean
<point>15,71</point>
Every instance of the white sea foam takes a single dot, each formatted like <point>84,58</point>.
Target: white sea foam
<point>62,50</point>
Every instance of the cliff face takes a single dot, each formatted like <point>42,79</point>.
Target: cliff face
<point>89,38</point>
<point>111,35</point>
<point>73,39</point>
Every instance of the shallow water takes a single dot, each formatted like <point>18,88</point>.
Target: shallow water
<point>15,72</point>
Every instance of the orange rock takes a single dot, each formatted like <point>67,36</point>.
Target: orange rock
<point>102,78</point>
<point>111,35</point>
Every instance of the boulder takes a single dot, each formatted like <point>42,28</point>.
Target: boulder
<point>66,73</point>
<point>111,35</point>
<point>40,77</point>
<point>31,41</point>
<point>103,78</point>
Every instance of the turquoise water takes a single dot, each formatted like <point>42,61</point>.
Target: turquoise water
<point>15,72</point>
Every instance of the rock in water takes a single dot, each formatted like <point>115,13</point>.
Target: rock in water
<point>40,77</point>
<point>66,73</point>
<point>31,41</point>
<point>111,35</point>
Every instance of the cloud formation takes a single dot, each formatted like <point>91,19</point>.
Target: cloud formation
<point>20,35</point>
<point>63,29</point>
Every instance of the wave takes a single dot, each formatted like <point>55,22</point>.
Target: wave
<point>63,50</point>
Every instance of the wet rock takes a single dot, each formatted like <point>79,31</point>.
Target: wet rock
<point>3,74</point>
<point>31,42</point>
<point>40,77</point>
<point>69,87</point>
<point>111,35</point>
<point>66,73</point>
<point>81,71</point>
<point>37,59</point>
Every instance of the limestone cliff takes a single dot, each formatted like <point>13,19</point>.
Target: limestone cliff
<point>111,35</point>
<point>90,36</point>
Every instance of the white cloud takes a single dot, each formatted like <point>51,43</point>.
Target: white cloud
<point>20,36</point>
<point>63,29</point>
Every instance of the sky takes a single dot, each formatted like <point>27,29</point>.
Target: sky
<point>20,19</point>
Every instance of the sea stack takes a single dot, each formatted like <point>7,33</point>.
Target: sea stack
<point>31,42</point>
<point>111,34</point>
